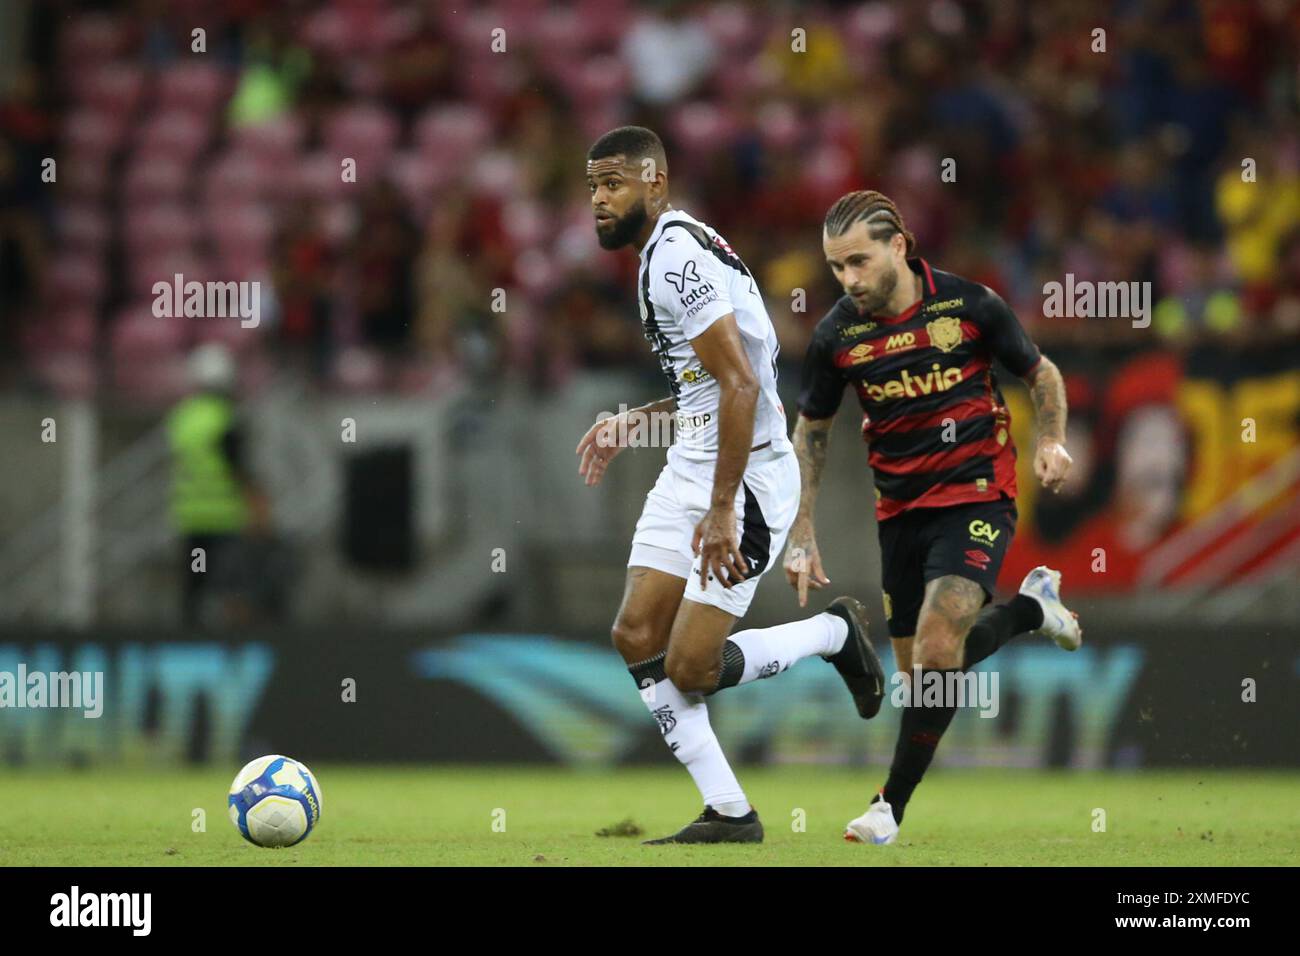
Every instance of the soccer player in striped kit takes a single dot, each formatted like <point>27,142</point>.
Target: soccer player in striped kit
<point>917,346</point>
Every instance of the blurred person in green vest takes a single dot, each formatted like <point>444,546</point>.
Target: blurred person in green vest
<point>215,503</point>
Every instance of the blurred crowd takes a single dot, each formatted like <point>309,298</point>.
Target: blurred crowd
<point>1147,140</point>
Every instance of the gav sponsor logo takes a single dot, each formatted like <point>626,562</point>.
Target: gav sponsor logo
<point>982,530</point>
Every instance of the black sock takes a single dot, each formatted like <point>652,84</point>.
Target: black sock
<point>999,623</point>
<point>918,736</point>
<point>732,668</point>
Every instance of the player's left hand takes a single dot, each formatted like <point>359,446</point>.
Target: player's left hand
<point>1051,464</point>
<point>718,546</point>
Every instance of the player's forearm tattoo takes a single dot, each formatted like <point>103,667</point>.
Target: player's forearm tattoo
<point>1048,393</point>
<point>811,439</point>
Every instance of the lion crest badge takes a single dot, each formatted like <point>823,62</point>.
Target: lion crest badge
<point>945,333</point>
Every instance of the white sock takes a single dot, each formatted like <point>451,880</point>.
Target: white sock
<point>771,650</point>
<point>684,722</point>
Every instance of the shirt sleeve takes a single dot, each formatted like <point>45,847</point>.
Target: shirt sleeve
<point>689,284</point>
<point>1007,338</point>
<point>821,386</point>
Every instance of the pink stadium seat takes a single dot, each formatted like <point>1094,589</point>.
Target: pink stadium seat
<point>699,127</point>
<point>358,369</point>
<point>178,133</point>
<point>76,279</point>
<point>81,226</point>
<point>154,176</point>
<point>93,132</point>
<point>92,38</point>
<point>138,333</point>
<point>732,26</point>
<point>234,176</point>
<point>365,132</point>
<point>325,31</point>
<point>84,175</point>
<point>419,179</point>
<point>319,176</point>
<point>449,134</point>
<point>247,227</point>
<point>115,87</point>
<point>159,226</point>
<point>74,328</point>
<point>151,266</point>
<point>779,125</point>
<point>274,140</point>
<point>193,86</point>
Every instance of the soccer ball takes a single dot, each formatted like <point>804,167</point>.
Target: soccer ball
<point>275,801</point>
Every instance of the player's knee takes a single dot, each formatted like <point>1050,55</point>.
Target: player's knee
<point>936,650</point>
<point>636,642</point>
<point>689,675</point>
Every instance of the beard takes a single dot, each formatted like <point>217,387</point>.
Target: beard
<point>623,229</point>
<point>875,300</point>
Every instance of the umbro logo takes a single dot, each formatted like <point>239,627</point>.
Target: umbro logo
<point>688,274</point>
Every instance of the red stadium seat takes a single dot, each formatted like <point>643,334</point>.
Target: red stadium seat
<point>154,176</point>
<point>178,133</point>
<point>274,140</point>
<point>76,279</point>
<point>366,133</point>
<point>159,226</point>
<point>449,134</point>
<point>92,38</point>
<point>115,87</point>
<point>193,86</point>
<point>94,132</point>
<point>81,225</point>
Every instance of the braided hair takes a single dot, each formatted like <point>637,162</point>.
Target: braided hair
<point>876,209</point>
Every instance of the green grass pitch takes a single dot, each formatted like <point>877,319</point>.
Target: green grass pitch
<point>444,816</point>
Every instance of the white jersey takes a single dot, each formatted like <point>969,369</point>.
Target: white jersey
<point>689,279</point>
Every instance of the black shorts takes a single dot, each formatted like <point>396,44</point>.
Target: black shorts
<point>920,545</point>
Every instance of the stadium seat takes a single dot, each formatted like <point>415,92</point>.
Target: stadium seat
<point>364,132</point>
<point>153,176</point>
<point>92,38</point>
<point>178,133</point>
<point>193,86</point>
<point>82,226</point>
<point>76,279</point>
<point>114,87</point>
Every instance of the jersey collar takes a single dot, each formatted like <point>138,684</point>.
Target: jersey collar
<point>672,215</point>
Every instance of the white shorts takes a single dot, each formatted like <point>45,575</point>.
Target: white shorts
<point>766,504</point>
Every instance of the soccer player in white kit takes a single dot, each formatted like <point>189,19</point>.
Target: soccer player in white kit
<point>719,514</point>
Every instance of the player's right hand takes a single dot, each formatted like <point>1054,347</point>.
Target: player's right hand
<point>803,565</point>
<point>598,448</point>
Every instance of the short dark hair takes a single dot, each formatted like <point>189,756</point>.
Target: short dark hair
<point>634,142</point>
<point>878,211</point>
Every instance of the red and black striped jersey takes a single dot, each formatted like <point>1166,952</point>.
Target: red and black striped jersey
<point>936,426</point>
